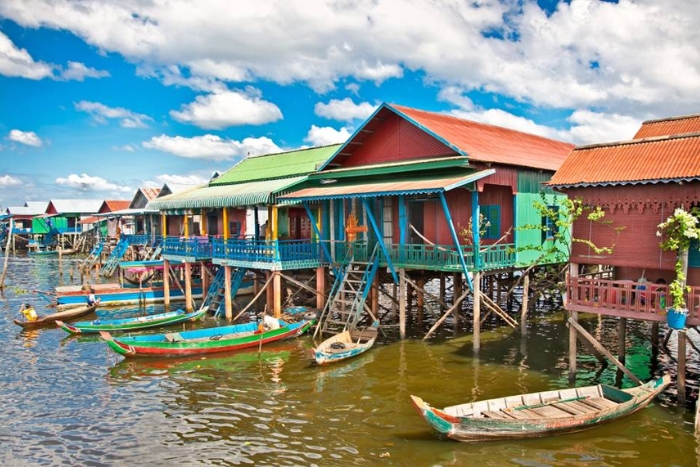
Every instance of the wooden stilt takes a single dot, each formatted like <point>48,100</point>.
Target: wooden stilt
<point>256,287</point>
<point>654,342</point>
<point>420,301</point>
<point>523,307</point>
<point>394,303</point>
<point>320,287</point>
<point>680,380</point>
<point>573,318</point>
<point>166,283</point>
<point>205,274</point>
<point>228,307</point>
<point>477,312</point>
<point>442,287</point>
<point>402,303</point>
<point>270,294</point>
<point>375,296</point>
<point>188,287</point>
<point>456,285</point>
<point>497,281</point>
<point>255,298</point>
<point>277,290</point>
<point>458,302</point>
<point>622,340</point>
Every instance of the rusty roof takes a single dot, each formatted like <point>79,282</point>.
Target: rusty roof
<point>150,193</point>
<point>111,205</point>
<point>489,143</point>
<point>669,126</point>
<point>649,160</point>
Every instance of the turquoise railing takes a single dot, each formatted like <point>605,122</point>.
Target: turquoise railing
<point>198,248</point>
<point>267,251</point>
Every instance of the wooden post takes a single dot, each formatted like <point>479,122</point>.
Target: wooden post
<point>228,307</point>
<point>477,311</point>
<point>205,278</point>
<point>402,304</point>
<point>395,301</point>
<point>442,286</point>
<point>256,287</point>
<point>320,287</point>
<point>525,304</point>
<point>166,283</point>
<point>164,226</point>
<point>188,287</point>
<point>680,381</point>
<point>573,316</point>
<point>375,296</point>
<point>621,340</point>
<point>654,342</point>
<point>277,290</point>
<point>420,300</point>
<point>456,286</point>
<point>224,219</point>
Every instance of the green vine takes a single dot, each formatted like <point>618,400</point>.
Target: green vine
<point>678,231</point>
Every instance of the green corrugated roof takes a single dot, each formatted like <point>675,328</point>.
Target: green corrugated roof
<point>242,194</point>
<point>286,164</point>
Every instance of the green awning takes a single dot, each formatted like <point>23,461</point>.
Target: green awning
<point>223,196</point>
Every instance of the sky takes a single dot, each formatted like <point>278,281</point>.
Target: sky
<point>99,98</point>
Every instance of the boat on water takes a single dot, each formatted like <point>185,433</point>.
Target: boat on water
<point>73,313</point>
<point>346,344</point>
<point>203,341</point>
<point>539,414</point>
<point>131,324</point>
<point>70,296</point>
<point>42,252</point>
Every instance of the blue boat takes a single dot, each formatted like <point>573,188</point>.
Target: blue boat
<point>115,295</point>
<point>131,324</point>
<point>346,345</point>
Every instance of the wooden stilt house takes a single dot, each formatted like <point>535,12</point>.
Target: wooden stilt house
<point>406,186</point>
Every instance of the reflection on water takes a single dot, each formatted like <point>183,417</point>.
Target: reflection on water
<point>68,400</point>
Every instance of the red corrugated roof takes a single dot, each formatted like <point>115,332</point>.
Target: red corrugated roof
<point>669,126</point>
<point>489,143</point>
<point>116,204</point>
<point>150,193</point>
<point>644,160</point>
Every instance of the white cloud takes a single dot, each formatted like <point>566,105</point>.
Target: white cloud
<point>78,71</point>
<point>228,108</point>
<point>211,146</point>
<point>85,182</point>
<point>125,148</point>
<point>176,182</point>
<point>323,136</point>
<point>9,180</point>
<point>25,137</point>
<point>100,113</point>
<point>15,62</point>
<point>344,110</point>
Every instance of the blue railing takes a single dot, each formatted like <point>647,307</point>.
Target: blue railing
<point>193,247</point>
<point>266,251</point>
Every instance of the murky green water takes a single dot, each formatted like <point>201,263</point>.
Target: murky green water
<point>68,401</point>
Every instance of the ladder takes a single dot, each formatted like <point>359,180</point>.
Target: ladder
<point>117,254</point>
<point>216,295</point>
<point>346,302</point>
<point>93,257</point>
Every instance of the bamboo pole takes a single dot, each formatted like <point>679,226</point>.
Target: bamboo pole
<point>437,324</point>
<point>267,284</point>
<point>7,253</point>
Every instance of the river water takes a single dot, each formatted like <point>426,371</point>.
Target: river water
<point>69,401</point>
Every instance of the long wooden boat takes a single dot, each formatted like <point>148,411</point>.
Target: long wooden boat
<point>42,252</point>
<point>539,414</point>
<point>61,315</point>
<point>202,341</point>
<point>115,295</point>
<point>346,345</point>
<point>131,324</point>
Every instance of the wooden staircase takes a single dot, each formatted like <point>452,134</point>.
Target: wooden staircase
<point>349,293</point>
<point>216,295</point>
<point>94,256</point>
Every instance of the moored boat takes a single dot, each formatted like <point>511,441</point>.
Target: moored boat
<point>346,344</point>
<point>539,414</point>
<point>61,315</point>
<point>116,295</point>
<point>202,341</point>
<point>131,324</point>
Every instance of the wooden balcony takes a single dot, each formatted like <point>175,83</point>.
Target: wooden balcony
<point>274,255</point>
<point>190,249</point>
<point>627,299</point>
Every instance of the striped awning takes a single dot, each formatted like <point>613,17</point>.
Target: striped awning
<point>239,195</point>
<point>413,186</point>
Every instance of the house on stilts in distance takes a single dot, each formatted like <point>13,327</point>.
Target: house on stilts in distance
<point>638,184</point>
<point>394,204</point>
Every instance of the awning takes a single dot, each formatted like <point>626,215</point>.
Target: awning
<point>407,186</point>
<point>127,212</point>
<point>239,195</point>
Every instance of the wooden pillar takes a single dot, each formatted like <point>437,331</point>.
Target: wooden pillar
<point>186,227</point>
<point>320,287</point>
<point>420,300</point>
<point>442,286</point>
<point>188,287</point>
<point>622,340</point>
<point>269,293</point>
<point>680,381</point>
<point>523,309</point>
<point>456,286</point>
<point>497,279</point>
<point>375,296</point>
<point>224,220</point>
<point>277,283</point>
<point>164,225</point>
<point>654,343</point>
<point>256,289</point>
<point>409,296</point>
<point>203,223</point>
<point>402,304</point>
<point>572,348</point>
<point>477,310</point>
<point>228,307</point>
<point>166,283</point>
<point>205,278</point>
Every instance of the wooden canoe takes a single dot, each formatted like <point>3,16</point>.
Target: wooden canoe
<point>346,345</point>
<point>131,324</point>
<point>73,313</point>
<point>202,341</point>
<point>539,414</point>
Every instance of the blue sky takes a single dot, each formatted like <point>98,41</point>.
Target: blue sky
<point>99,98</point>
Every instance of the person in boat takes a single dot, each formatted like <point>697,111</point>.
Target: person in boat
<point>268,323</point>
<point>28,311</point>
<point>91,300</point>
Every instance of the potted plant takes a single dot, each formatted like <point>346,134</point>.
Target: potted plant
<point>678,231</point>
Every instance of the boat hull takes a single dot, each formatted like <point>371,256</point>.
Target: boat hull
<point>203,341</point>
<point>503,423</point>
<point>123,296</point>
<point>350,344</point>
<point>131,324</point>
<point>60,316</point>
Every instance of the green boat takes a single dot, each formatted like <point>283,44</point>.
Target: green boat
<point>131,324</point>
<point>539,414</point>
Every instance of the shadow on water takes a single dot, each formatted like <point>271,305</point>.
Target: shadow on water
<point>70,401</point>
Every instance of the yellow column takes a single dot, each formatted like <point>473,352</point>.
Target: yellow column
<point>278,294</point>
<point>320,287</point>
<point>227,293</point>
<point>186,218</point>
<point>275,222</point>
<point>166,283</point>
<point>225,216</point>
<point>203,223</point>
<point>188,287</point>
<point>164,225</point>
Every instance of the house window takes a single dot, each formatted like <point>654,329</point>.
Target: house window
<point>549,226</point>
<point>491,223</point>
<point>234,228</point>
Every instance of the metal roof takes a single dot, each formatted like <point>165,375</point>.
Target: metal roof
<point>271,166</point>
<point>242,194</point>
<point>669,126</point>
<point>33,210</point>
<point>407,186</point>
<point>651,160</point>
<point>76,206</point>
